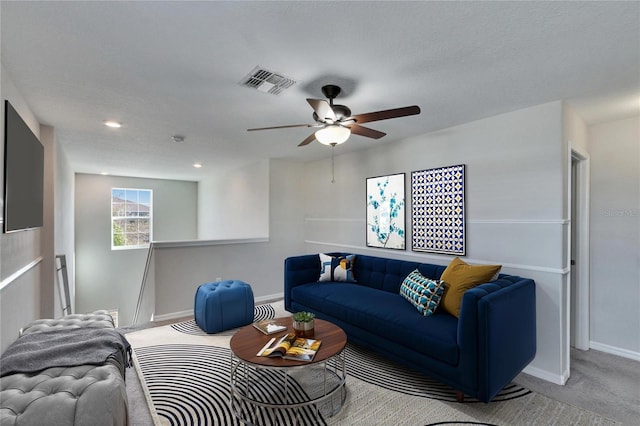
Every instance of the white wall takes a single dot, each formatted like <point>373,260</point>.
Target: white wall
<point>180,269</point>
<point>105,278</point>
<point>47,233</point>
<point>64,220</point>
<point>235,204</point>
<point>615,236</point>
<point>20,252</point>
<point>575,323</point>
<point>575,130</point>
<point>515,206</point>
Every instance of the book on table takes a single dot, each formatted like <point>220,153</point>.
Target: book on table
<point>291,347</point>
<point>269,326</point>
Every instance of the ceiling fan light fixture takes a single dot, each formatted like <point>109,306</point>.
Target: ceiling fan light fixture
<point>333,135</point>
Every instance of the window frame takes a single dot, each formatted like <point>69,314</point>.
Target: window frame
<point>134,217</point>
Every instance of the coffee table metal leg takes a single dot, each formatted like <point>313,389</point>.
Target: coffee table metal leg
<point>249,407</point>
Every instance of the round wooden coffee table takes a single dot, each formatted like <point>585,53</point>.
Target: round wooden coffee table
<point>281,391</point>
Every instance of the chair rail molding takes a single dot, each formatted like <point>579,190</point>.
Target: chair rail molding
<point>13,277</point>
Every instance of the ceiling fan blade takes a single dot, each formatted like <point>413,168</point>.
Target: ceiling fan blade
<point>282,127</point>
<point>322,109</point>
<point>386,114</point>
<point>308,140</point>
<point>365,131</point>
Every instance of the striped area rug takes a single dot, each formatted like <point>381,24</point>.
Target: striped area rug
<point>260,312</point>
<point>186,380</point>
<point>189,385</point>
<point>372,368</point>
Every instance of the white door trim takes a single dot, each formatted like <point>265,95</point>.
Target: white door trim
<point>581,163</point>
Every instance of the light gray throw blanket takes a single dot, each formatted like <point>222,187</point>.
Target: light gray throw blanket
<point>64,348</point>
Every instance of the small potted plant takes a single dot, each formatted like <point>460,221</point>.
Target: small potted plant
<point>303,324</point>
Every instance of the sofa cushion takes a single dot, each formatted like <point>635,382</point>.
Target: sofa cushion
<point>422,292</point>
<point>336,268</point>
<point>386,314</point>
<point>382,274</point>
<point>460,277</point>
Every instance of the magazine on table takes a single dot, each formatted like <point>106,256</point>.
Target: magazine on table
<point>291,347</point>
<point>269,326</point>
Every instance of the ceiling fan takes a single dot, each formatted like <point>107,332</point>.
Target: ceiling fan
<point>336,123</point>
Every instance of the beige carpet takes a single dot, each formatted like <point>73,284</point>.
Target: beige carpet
<point>366,403</point>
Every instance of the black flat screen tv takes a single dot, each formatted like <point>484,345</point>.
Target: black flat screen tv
<point>23,174</point>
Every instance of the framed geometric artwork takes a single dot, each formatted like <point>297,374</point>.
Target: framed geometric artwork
<point>437,210</point>
<point>386,212</point>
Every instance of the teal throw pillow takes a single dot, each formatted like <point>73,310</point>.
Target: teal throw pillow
<point>421,292</point>
<point>339,268</point>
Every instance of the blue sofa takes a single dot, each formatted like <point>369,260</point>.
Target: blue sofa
<point>477,354</point>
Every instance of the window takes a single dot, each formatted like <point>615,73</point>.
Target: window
<point>131,218</point>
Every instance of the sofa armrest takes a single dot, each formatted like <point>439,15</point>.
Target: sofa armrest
<point>497,330</point>
<point>299,270</point>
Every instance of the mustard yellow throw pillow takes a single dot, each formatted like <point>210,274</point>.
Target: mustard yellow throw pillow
<point>460,277</point>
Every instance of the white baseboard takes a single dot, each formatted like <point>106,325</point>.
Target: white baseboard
<point>173,315</point>
<point>562,378</point>
<point>625,353</point>
<point>189,312</point>
<point>558,379</point>
<point>269,298</point>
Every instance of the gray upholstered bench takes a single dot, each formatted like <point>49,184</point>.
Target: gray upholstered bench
<point>75,395</point>
<point>97,319</point>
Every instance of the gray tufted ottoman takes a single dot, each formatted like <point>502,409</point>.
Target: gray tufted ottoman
<point>79,395</point>
<point>97,319</point>
<point>82,395</point>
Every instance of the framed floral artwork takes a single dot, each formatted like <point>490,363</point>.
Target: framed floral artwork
<point>438,210</point>
<point>386,212</point>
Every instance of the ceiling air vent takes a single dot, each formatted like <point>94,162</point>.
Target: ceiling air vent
<point>267,81</point>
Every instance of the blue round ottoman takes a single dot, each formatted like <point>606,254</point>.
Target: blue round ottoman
<point>223,305</point>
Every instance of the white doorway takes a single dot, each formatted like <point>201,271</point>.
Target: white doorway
<point>579,291</point>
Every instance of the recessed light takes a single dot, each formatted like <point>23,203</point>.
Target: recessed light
<point>197,165</point>
<point>104,173</point>
<point>113,124</point>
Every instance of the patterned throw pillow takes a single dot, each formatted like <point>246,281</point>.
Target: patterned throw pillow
<point>421,292</point>
<point>337,268</point>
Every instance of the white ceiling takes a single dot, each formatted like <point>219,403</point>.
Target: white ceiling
<point>166,68</point>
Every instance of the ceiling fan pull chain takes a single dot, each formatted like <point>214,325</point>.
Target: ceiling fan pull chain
<point>333,147</point>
